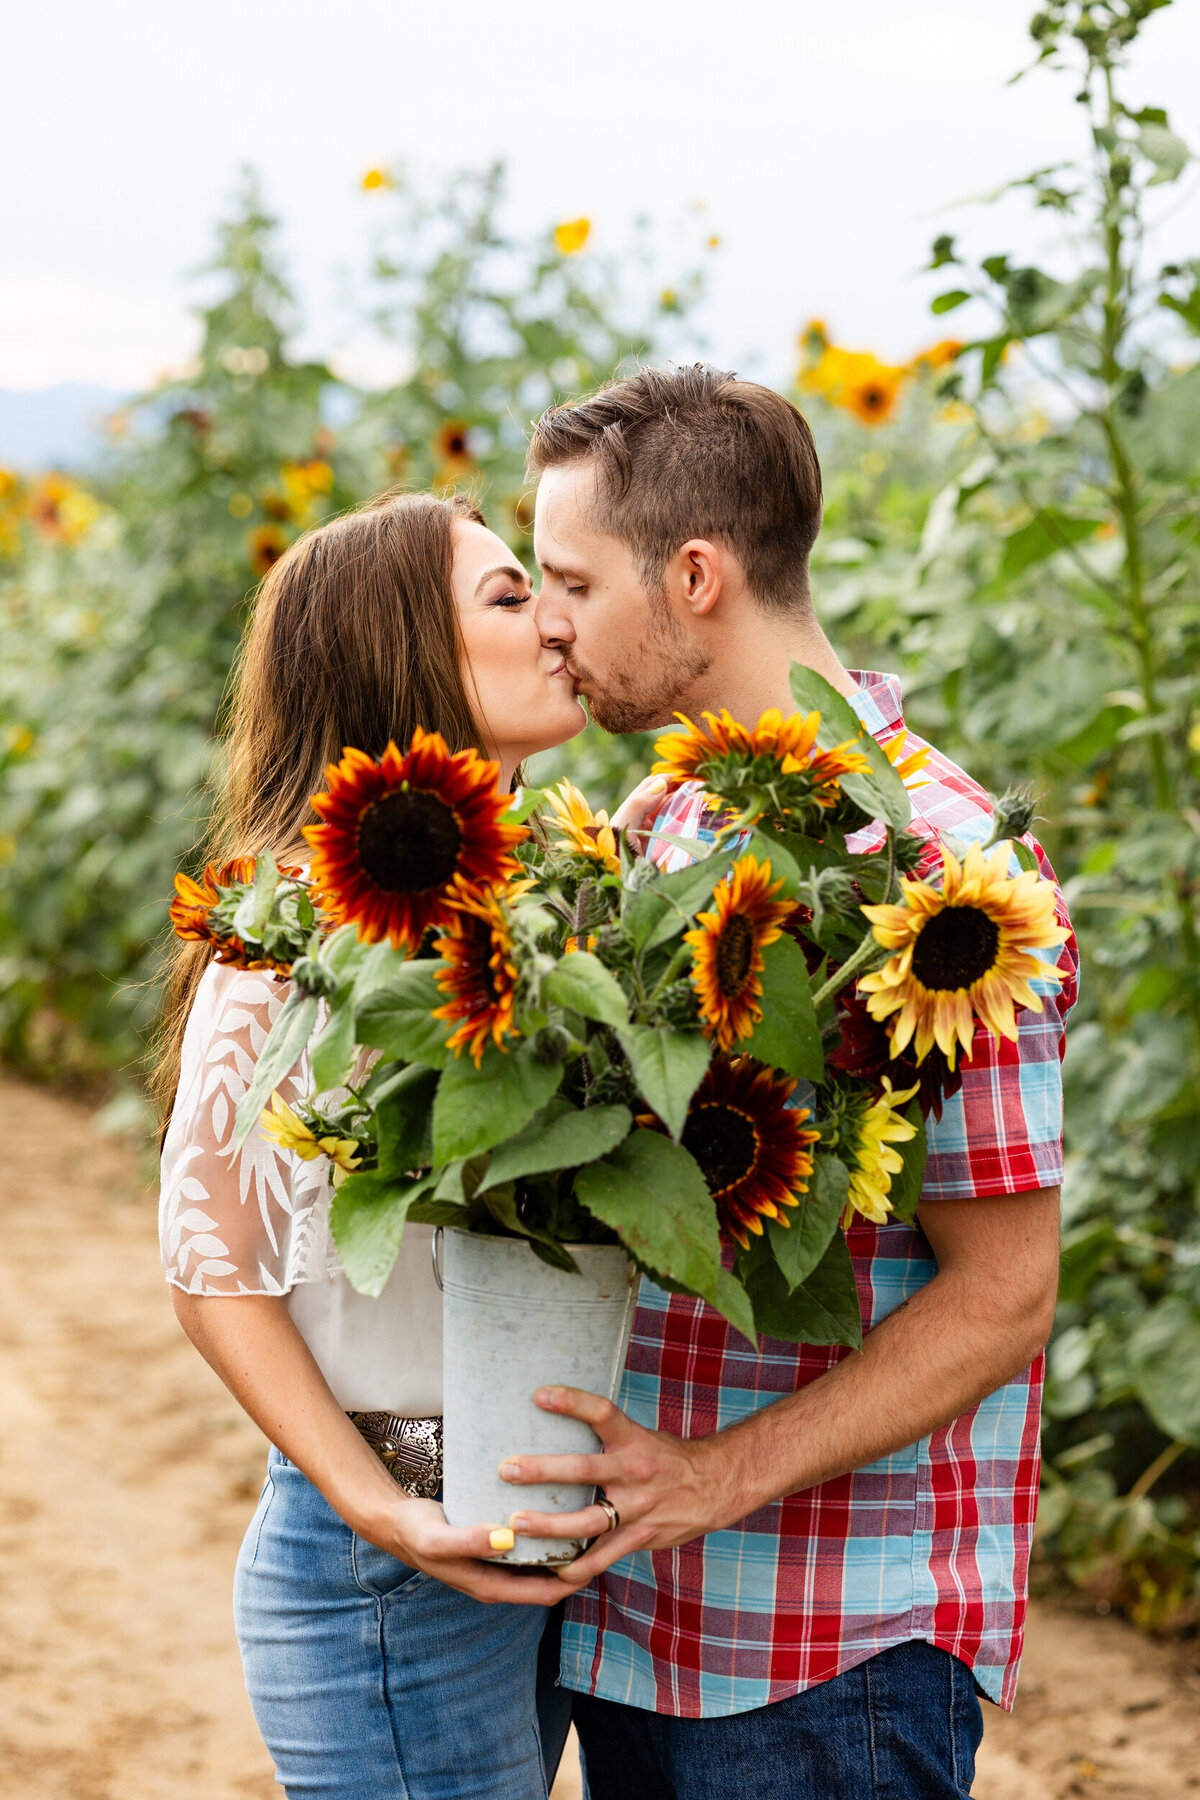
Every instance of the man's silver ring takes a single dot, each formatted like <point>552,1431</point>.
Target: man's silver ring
<point>614,1517</point>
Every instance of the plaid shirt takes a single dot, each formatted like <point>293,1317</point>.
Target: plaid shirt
<point>931,1542</point>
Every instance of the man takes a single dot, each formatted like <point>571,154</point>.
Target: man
<point>816,1555</point>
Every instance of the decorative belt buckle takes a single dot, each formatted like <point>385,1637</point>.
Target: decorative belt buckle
<point>409,1449</point>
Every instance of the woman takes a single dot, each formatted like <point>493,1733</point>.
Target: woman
<point>373,1667</point>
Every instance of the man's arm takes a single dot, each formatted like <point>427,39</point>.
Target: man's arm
<point>980,1321</point>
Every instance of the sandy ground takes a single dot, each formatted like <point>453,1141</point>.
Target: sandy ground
<point>126,1479</point>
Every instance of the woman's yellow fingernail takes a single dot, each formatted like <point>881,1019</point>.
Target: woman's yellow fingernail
<point>501,1539</point>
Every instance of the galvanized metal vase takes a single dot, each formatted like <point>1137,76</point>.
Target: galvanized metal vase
<point>512,1325</point>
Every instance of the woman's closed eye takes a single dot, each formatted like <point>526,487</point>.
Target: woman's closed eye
<point>511,600</point>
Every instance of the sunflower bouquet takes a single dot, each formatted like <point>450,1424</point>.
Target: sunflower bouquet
<point>520,1024</point>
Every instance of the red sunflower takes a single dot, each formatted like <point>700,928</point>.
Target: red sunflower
<point>194,901</point>
<point>751,1145</point>
<point>480,975</point>
<point>395,833</point>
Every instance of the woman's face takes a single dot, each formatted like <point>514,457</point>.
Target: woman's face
<point>520,693</point>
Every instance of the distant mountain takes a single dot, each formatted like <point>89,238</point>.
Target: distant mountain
<point>54,427</point>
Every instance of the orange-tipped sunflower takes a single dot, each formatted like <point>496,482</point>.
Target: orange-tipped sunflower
<point>962,954</point>
<point>881,1124</point>
<point>581,832</point>
<point>751,1146</point>
<point>727,946</point>
<point>395,833</point>
<point>194,901</point>
<point>480,974</point>
<point>776,762</point>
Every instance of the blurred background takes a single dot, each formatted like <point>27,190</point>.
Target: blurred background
<point>258,264</point>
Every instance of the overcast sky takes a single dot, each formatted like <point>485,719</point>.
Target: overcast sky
<point>826,142</point>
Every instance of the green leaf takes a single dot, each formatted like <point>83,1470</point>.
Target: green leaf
<point>366,1220</point>
<point>1164,1350</point>
<point>1167,151</point>
<point>478,1107</point>
<point>823,1310</point>
<point>661,911</point>
<point>787,1036</point>
<point>732,1301</point>
<point>501,1203</point>
<point>402,1121</point>
<point>581,982</point>
<point>525,803</point>
<point>397,1017</point>
<point>668,1067</point>
<point>800,1245</point>
<point>564,1140</point>
<point>250,919</point>
<point>880,792</point>
<point>947,302</point>
<point>1048,532</point>
<point>652,1194</point>
<point>279,1055</point>
<point>333,1052</point>
<point>1025,856</point>
<point>905,1191</point>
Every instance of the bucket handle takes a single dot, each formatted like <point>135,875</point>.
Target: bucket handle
<point>436,1250</point>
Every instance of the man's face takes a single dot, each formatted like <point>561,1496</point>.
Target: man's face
<point>631,651</point>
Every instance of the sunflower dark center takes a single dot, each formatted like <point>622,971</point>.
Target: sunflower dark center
<point>873,398</point>
<point>955,948</point>
<point>724,1143</point>
<point>734,953</point>
<point>409,841</point>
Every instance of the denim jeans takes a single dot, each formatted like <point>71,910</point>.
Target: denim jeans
<point>904,1725</point>
<point>370,1680</point>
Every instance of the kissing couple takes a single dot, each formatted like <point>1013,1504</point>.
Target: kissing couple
<point>811,1563</point>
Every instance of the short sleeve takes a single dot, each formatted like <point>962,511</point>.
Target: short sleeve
<point>248,1221</point>
<point>1001,1133</point>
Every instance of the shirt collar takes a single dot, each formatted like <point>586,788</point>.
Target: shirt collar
<point>877,700</point>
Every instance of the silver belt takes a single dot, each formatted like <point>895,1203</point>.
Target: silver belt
<point>409,1449</point>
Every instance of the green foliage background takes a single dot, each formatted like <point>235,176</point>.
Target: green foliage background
<point>1035,578</point>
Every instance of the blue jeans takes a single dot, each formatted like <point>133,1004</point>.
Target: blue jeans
<point>370,1680</point>
<point>904,1725</point>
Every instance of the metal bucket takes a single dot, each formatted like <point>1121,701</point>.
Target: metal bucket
<point>511,1324</point>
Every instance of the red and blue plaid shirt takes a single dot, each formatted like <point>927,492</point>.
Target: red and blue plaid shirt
<point>931,1542</point>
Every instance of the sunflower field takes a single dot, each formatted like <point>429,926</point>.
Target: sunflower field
<point>1012,522</point>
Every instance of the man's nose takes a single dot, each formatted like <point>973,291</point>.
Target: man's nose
<point>554,626</point>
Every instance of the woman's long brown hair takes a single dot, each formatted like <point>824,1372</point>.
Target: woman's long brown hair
<point>354,641</point>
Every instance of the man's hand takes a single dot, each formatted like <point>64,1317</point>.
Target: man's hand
<point>666,1491</point>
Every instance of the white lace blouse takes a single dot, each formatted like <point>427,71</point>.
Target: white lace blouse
<point>256,1221</point>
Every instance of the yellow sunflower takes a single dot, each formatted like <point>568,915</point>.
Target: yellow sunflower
<point>752,1147</point>
<point>264,547</point>
<point>962,954</point>
<point>777,757</point>
<point>480,976</point>
<point>581,832</point>
<point>395,833</point>
<point>571,236</point>
<point>881,1125</point>
<point>452,447</point>
<point>727,946</point>
<point>906,766</point>
<point>279,1123</point>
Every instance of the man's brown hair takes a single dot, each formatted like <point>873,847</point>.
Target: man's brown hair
<point>694,452</point>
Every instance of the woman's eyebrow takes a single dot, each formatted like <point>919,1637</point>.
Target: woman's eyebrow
<point>513,574</point>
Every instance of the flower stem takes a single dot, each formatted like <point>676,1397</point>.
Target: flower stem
<point>867,951</point>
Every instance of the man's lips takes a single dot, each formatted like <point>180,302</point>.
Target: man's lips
<point>564,668</point>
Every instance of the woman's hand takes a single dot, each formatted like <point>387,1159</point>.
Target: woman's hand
<point>638,809</point>
<point>416,1532</point>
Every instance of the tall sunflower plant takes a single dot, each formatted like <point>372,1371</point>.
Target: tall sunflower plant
<point>519,1023</point>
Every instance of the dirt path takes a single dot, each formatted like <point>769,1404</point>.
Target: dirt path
<point>126,1479</point>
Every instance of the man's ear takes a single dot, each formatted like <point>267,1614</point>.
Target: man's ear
<point>697,572</point>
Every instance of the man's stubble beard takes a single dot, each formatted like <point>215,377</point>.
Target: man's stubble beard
<point>661,670</point>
